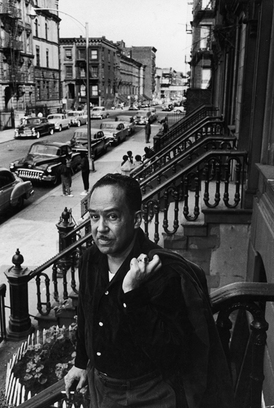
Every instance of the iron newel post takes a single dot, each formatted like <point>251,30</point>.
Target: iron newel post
<point>19,322</point>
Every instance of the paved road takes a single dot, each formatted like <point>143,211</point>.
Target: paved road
<point>33,230</point>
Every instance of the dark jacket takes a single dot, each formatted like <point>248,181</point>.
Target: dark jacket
<point>84,164</point>
<point>127,335</point>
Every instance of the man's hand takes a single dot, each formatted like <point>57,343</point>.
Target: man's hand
<point>140,269</point>
<point>75,374</point>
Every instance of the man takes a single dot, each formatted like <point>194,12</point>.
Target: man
<point>84,165</point>
<point>147,131</point>
<point>146,336</point>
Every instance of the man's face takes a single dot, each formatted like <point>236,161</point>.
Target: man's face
<point>112,224</point>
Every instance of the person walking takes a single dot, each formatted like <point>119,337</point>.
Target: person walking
<point>84,165</point>
<point>147,131</point>
<point>146,336</point>
<point>65,171</point>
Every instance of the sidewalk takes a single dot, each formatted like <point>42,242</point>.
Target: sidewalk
<point>33,230</point>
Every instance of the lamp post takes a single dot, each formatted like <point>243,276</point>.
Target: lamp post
<point>33,14</point>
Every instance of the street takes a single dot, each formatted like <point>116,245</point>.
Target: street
<point>15,149</point>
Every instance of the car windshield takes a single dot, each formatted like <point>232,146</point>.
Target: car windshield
<point>54,117</point>
<point>44,150</point>
<point>30,121</point>
<point>97,109</point>
<point>73,114</point>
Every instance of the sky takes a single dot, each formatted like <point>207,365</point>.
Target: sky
<point>157,23</point>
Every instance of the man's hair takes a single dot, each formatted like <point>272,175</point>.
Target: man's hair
<point>128,184</point>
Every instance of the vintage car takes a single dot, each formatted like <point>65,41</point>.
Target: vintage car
<point>33,127</point>
<point>142,117</point>
<point>180,110</point>
<point>13,191</point>
<point>60,121</point>
<point>77,118</point>
<point>114,131</point>
<point>43,161</point>
<point>99,143</point>
<point>128,122</point>
<point>99,112</point>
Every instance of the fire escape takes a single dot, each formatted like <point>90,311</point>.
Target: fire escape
<point>15,62</point>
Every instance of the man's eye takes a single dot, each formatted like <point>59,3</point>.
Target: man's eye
<point>113,217</point>
<point>94,217</point>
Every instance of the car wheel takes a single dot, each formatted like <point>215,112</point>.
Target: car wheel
<point>56,181</point>
<point>78,123</point>
<point>20,204</point>
<point>38,135</point>
<point>60,128</point>
<point>51,131</point>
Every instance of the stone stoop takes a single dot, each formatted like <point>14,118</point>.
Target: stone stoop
<point>196,246</point>
<point>200,240</point>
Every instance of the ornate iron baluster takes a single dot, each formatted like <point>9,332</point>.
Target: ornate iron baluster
<point>40,304</point>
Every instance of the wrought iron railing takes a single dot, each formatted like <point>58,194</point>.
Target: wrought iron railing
<point>213,179</point>
<point>63,265</point>
<point>178,146</point>
<point>178,129</point>
<point>243,342</point>
<point>3,331</point>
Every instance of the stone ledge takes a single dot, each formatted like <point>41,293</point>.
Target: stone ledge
<point>227,216</point>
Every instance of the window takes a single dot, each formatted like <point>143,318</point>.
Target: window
<point>38,90</point>
<point>46,30</point>
<point>68,54</point>
<point>94,54</point>
<point>37,56</point>
<point>47,90</point>
<point>68,71</point>
<point>47,58</point>
<point>82,73</point>
<point>36,27</point>
<point>81,53</point>
<point>94,90</point>
<point>94,72</point>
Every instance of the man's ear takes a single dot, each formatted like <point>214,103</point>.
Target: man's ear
<point>137,219</point>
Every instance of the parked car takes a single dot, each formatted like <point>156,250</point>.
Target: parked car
<point>60,121</point>
<point>99,143</point>
<point>142,117</point>
<point>179,109</point>
<point>115,132</point>
<point>13,191</point>
<point>33,127</point>
<point>167,108</point>
<point>77,118</point>
<point>43,160</point>
<point>99,112</point>
<point>128,121</point>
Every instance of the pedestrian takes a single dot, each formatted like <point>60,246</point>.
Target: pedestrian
<point>68,164</point>
<point>65,172</point>
<point>147,131</point>
<point>126,165</point>
<point>130,156</point>
<point>149,153</point>
<point>84,166</point>
<point>138,160</point>
<point>146,336</point>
